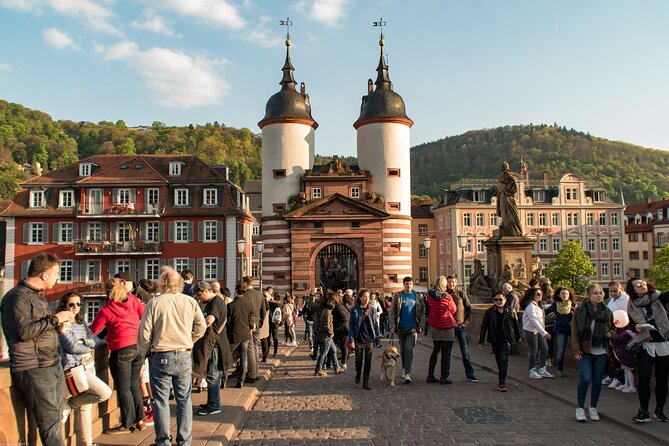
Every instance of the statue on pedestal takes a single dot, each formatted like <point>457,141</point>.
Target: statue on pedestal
<point>507,207</point>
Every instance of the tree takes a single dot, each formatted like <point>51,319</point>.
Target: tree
<point>570,268</point>
<point>659,270</point>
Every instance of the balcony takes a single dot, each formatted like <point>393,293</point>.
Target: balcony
<point>128,210</point>
<point>113,248</point>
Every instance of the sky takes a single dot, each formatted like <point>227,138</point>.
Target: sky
<point>598,66</point>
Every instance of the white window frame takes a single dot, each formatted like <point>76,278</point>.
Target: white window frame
<point>122,266</point>
<point>530,218</point>
<point>175,168</point>
<point>480,219</point>
<point>615,244</point>
<point>92,309</point>
<point>467,219</point>
<point>592,245</point>
<point>66,271</point>
<point>152,231</point>
<point>590,219</point>
<point>422,230</point>
<point>65,228</point>
<point>543,219</point>
<point>614,219</point>
<point>604,245</point>
<point>543,244</point>
<point>556,245</point>
<point>37,199</point>
<point>181,197</point>
<point>316,192</point>
<point>571,193</point>
<point>36,234</point>
<point>494,220</point>
<point>85,169</point>
<point>539,196</point>
<point>210,268</point>
<point>181,263</point>
<point>209,231</point>
<point>181,231</point>
<point>90,270</point>
<point>555,219</point>
<point>603,219</point>
<point>617,269</point>
<point>123,196</point>
<point>66,199</point>
<point>355,192</point>
<point>94,232</point>
<point>478,196</point>
<point>210,196</point>
<point>604,267</point>
<point>479,246</point>
<point>255,229</point>
<point>123,232</point>
<point>422,251</point>
<point>598,196</point>
<point>152,269</point>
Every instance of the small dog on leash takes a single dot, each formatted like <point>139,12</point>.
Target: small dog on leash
<point>389,359</point>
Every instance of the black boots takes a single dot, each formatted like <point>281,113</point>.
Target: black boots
<point>365,383</point>
<point>357,376</point>
<point>431,379</point>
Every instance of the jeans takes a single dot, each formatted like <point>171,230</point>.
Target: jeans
<point>125,365</point>
<point>560,344</point>
<point>443,347</point>
<point>213,381</point>
<point>309,333</point>
<point>590,370</point>
<point>536,343</point>
<point>360,353</point>
<point>172,370</point>
<point>289,332</point>
<point>407,344</point>
<point>340,342</point>
<point>98,391</point>
<point>243,359</point>
<point>502,358</point>
<point>330,349</point>
<point>461,336</point>
<point>644,364</point>
<point>43,388</point>
<point>274,335</point>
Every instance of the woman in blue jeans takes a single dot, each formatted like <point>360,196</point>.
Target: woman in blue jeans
<point>563,308</point>
<point>325,336</point>
<point>591,330</point>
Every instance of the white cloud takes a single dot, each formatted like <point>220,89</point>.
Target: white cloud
<point>261,34</point>
<point>175,78</point>
<point>217,12</point>
<point>93,13</point>
<point>156,24</point>
<point>328,11</point>
<point>5,67</point>
<point>58,39</point>
<point>21,5</point>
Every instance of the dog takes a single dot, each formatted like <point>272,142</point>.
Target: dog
<point>389,359</point>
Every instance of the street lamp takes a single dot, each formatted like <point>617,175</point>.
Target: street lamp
<point>241,249</point>
<point>462,243</point>
<point>427,242</point>
<point>260,246</point>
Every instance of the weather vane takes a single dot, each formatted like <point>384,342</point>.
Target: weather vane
<point>380,23</point>
<point>287,23</point>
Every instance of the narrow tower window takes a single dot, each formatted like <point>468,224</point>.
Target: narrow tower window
<point>392,172</point>
<point>279,173</point>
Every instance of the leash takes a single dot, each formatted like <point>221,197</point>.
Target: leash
<point>392,340</point>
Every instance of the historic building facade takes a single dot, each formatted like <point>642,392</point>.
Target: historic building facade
<point>551,212</point>
<point>424,260</point>
<point>131,213</point>
<point>646,229</point>
<point>336,225</point>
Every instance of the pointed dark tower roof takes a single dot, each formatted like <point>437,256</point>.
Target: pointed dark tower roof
<point>382,104</point>
<point>288,105</point>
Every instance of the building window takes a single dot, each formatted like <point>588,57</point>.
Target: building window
<point>468,271</point>
<point>556,245</point>
<point>394,206</point>
<point>175,168</point>
<point>480,220</point>
<point>539,196</point>
<point>152,269</point>
<point>466,219</point>
<point>441,246</point>
<point>92,310</point>
<point>543,219</point>
<point>85,169</point>
<point>255,230</point>
<point>633,237</point>
<point>617,270</point>
<point>494,220</point>
<point>210,265</point>
<point>422,251</point>
<point>604,245</point>
<point>478,196</point>
<point>210,229</point>
<point>153,199</point>
<point>122,266</point>
<point>479,246</point>
<point>94,232</point>
<point>392,278</point>
<point>615,244</point>
<point>316,192</point>
<point>36,233</point>
<point>355,192</point>
<point>441,222</point>
<point>66,199</point>
<point>65,233</point>
<point>605,269</point>
<point>181,264</point>
<point>635,272</point>
<point>93,271</point>
<point>152,231</point>
<point>590,219</point>
<point>181,197</point>
<point>422,273</point>
<point>393,172</point>
<point>123,232</point>
<point>279,276</point>
<point>447,222</point>
<point>591,245</point>
<point>65,271</point>
<point>254,270</point>
<point>543,244</point>
<point>394,246</point>
<point>319,225</point>
<point>644,237</point>
<point>614,219</point>
<point>571,194</point>
<point>634,255</point>
<point>602,219</point>
<point>122,196</point>
<point>181,231</point>
<point>469,246</point>
<point>279,173</point>
<point>598,196</point>
<point>448,246</point>
<point>279,208</point>
<point>422,230</point>
<point>210,197</point>
<point>555,219</point>
<point>37,199</point>
<point>530,219</point>
<point>645,255</point>
<point>572,219</point>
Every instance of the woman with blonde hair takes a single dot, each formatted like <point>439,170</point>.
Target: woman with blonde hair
<point>440,308</point>
<point>121,317</point>
<point>288,320</point>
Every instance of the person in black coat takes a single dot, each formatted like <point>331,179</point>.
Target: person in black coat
<point>500,327</point>
<point>240,323</point>
<point>340,318</point>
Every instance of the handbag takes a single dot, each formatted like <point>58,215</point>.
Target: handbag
<point>350,346</point>
<point>76,380</point>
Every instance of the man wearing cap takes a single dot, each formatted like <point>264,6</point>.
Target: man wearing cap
<point>211,353</point>
<point>133,288</point>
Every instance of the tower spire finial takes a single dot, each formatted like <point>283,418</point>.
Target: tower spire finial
<point>382,78</point>
<point>287,80</point>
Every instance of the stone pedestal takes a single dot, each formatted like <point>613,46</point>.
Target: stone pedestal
<point>510,260</point>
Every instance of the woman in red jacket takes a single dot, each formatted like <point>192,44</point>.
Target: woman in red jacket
<point>440,309</point>
<point>121,317</point>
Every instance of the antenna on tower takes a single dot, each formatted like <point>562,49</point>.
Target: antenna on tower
<point>287,23</point>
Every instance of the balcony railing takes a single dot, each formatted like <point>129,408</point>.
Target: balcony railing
<point>115,210</point>
<point>108,247</point>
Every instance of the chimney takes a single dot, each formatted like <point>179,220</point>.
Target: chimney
<point>648,201</point>
<point>545,178</point>
<point>221,169</point>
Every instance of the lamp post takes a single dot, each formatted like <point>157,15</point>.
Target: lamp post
<point>241,250</point>
<point>260,246</point>
<point>427,242</point>
<point>462,243</point>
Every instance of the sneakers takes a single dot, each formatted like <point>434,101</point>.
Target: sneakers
<point>544,373</point>
<point>629,390</point>
<point>404,375</point>
<point>148,421</point>
<point>641,417</point>
<point>594,416</point>
<point>472,379</point>
<point>204,412</point>
<point>660,416</point>
<point>614,383</point>
<point>621,387</point>
<point>580,415</point>
<point>445,381</point>
<point>321,373</point>
<point>606,381</point>
<point>501,387</point>
<point>340,370</point>
<point>407,378</point>
<point>534,374</point>
<point>432,380</point>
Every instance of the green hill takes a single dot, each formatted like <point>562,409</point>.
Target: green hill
<point>640,172</point>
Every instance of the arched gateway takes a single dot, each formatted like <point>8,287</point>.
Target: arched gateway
<point>337,267</point>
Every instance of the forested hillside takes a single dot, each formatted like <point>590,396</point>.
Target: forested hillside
<point>638,171</point>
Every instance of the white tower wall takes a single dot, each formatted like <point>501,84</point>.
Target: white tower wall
<point>382,146</point>
<point>288,146</point>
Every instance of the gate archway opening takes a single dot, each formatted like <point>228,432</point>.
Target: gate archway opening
<point>337,268</point>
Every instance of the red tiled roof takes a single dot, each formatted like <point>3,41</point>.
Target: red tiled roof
<point>644,208</point>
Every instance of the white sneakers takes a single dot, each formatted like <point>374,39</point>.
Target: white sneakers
<point>614,383</point>
<point>592,412</point>
<point>534,374</point>
<point>544,373</point>
<point>407,379</point>
<point>606,381</point>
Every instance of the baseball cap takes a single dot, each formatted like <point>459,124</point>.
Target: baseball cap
<point>200,287</point>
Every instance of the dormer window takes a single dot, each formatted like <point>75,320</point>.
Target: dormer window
<point>181,197</point>
<point>599,196</point>
<point>316,192</point>
<point>85,169</point>
<point>210,197</point>
<point>37,199</point>
<point>539,196</point>
<point>66,199</point>
<point>175,168</point>
<point>478,196</point>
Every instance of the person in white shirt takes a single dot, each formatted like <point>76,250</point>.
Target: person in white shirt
<point>619,297</point>
<point>535,333</point>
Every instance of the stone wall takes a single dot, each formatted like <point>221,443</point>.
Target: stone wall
<point>17,427</point>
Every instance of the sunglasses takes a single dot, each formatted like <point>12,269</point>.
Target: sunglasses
<point>74,304</point>
<point>499,300</point>
<point>640,285</point>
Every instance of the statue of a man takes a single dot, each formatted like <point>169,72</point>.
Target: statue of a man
<point>507,208</point>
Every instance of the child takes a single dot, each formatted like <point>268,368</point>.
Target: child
<point>626,359</point>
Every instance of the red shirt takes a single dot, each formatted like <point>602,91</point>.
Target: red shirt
<point>121,319</point>
<point>441,310</point>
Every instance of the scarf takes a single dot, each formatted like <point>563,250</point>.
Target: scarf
<point>602,317</point>
<point>563,307</point>
<point>659,314</point>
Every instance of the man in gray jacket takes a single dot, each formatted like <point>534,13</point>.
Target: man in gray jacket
<point>34,351</point>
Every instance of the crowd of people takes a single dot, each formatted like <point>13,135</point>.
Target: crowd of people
<point>169,338</point>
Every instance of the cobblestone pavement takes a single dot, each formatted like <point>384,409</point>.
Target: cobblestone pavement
<point>297,407</point>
